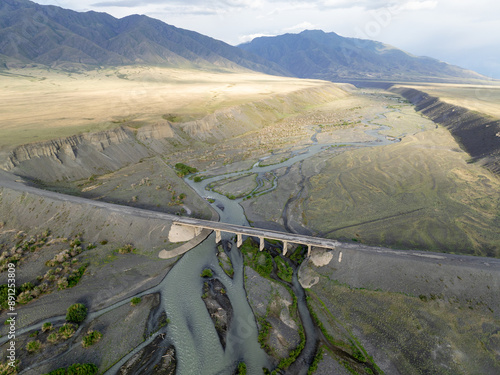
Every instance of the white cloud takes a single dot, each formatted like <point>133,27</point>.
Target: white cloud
<point>248,38</point>
<point>300,27</point>
<point>418,5</point>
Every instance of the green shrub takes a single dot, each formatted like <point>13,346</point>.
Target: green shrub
<point>53,337</point>
<point>126,249</point>
<point>76,313</point>
<point>47,326</point>
<point>4,296</point>
<point>183,169</point>
<point>76,276</point>
<point>135,301</point>
<point>285,272</point>
<point>242,369</point>
<point>59,371</point>
<point>67,330</point>
<point>317,359</point>
<point>91,338</point>
<point>34,334</point>
<point>76,369</point>
<point>33,346</point>
<point>7,369</point>
<point>197,179</point>
<point>27,286</point>
<point>207,272</point>
<point>83,369</point>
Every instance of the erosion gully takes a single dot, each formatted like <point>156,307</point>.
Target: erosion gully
<point>190,329</point>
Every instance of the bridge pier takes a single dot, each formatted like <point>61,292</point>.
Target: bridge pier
<point>261,244</point>
<point>197,231</point>
<point>309,250</point>
<point>217,236</point>
<point>285,246</point>
<point>239,240</point>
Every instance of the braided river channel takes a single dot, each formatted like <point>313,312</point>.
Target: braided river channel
<point>190,329</point>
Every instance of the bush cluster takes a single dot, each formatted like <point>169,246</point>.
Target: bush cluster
<point>76,369</point>
<point>76,313</point>
<point>207,272</point>
<point>91,338</point>
<point>184,170</point>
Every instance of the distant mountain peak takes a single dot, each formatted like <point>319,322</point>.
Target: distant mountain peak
<point>317,54</point>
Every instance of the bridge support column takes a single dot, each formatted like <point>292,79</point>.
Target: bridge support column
<point>261,245</point>
<point>197,231</point>
<point>239,240</point>
<point>309,250</point>
<point>217,236</point>
<point>285,246</point>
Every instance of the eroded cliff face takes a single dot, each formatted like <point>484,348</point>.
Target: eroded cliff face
<point>478,134</point>
<point>82,156</point>
<point>76,157</point>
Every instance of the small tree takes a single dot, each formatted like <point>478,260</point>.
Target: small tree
<point>76,313</point>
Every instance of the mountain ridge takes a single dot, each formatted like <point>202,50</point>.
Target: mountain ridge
<point>321,55</point>
<point>60,38</point>
<point>57,37</point>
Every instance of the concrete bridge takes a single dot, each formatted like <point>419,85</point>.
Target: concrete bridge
<point>262,234</point>
<point>7,180</point>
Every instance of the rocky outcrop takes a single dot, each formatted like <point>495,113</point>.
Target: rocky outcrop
<point>478,134</point>
<point>76,157</point>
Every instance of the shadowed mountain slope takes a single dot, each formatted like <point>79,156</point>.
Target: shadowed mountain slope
<point>57,37</point>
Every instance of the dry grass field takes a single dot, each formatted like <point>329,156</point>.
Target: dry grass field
<point>419,193</point>
<point>481,98</point>
<point>40,105</point>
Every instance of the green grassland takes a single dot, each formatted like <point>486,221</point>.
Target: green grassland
<point>416,336</point>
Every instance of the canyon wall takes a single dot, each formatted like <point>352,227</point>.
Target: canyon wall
<point>478,134</point>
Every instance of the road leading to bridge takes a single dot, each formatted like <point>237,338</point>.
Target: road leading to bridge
<point>8,181</point>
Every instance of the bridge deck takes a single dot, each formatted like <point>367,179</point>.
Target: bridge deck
<point>258,232</point>
<point>7,181</point>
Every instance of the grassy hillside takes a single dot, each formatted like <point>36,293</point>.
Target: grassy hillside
<point>420,193</point>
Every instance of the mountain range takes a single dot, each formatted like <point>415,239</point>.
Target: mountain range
<point>57,37</point>
<point>316,54</point>
<point>60,38</point>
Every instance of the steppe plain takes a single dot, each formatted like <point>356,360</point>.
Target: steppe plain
<point>420,193</point>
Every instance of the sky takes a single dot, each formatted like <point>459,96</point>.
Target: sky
<point>461,32</point>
